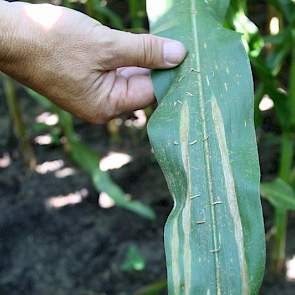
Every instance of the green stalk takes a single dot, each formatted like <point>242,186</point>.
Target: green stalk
<point>93,12</point>
<point>135,8</point>
<point>18,124</point>
<point>292,87</point>
<point>286,161</point>
<point>279,240</point>
<point>287,153</point>
<point>153,289</point>
<point>90,8</point>
<point>103,14</point>
<point>281,216</point>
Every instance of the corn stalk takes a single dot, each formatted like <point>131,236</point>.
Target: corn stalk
<point>278,255</point>
<point>19,127</point>
<point>203,137</point>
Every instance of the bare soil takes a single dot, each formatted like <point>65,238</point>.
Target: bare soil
<point>79,249</point>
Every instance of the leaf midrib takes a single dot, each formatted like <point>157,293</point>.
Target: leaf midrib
<point>200,92</point>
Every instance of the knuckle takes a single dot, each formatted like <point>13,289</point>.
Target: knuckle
<point>149,44</point>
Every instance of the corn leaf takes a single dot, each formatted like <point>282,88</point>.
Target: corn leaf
<point>203,137</point>
<point>88,160</point>
<point>279,193</point>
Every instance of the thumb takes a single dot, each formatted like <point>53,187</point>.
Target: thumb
<point>144,50</point>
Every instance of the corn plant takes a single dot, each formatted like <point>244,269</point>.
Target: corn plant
<point>18,123</point>
<point>137,13</point>
<point>99,11</point>
<point>269,56</point>
<point>203,137</point>
<point>88,160</point>
<point>270,67</point>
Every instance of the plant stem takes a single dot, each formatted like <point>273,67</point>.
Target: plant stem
<point>18,124</point>
<point>286,161</point>
<point>287,154</point>
<point>93,12</point>
<point>153,289</point>
<point>292,88</point>
<point>135,7</point>
<point>281,216</point>
<point>279,242</point>
<point>90,8</point>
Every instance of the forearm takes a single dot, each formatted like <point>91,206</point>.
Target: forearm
<point>14,32</point>
<point>13,45</point>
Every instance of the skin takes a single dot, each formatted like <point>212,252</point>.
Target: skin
<point>84,67</point>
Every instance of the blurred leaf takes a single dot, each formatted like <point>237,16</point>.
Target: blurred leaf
<point>134,260</point>
<point>154,288</point>
<point>259,94</point>
<point>237,19</point>
<point>280,48</point>
<point>104,11</point>
<point>280,194</point>
<point>137,13</point>
<point>40,127</point>
<point>88,160</point>
<point>271,87</point>
<point>286,7</point>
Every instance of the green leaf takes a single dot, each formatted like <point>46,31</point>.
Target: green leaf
<point>155,288</point>
<point>286,7</point>
<point>279,193</point>
<point>134,260</point>
<point>114,18</point>
<point>203,137</point>
<point>88,160</point>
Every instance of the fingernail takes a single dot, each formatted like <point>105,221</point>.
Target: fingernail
<point>174,53</point>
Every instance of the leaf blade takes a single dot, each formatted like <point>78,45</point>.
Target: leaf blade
<point>279,193</point>
<point>205,106</point>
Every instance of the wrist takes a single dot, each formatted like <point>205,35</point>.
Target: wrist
<point>7,31</point>
<point>16,41</point>
<point>16,34</point>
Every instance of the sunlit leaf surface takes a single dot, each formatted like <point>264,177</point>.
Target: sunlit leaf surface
<point>203,137</point>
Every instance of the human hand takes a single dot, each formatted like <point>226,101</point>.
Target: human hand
<point>86,68</point>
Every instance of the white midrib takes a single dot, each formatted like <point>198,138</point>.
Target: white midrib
<point>206,146</point>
